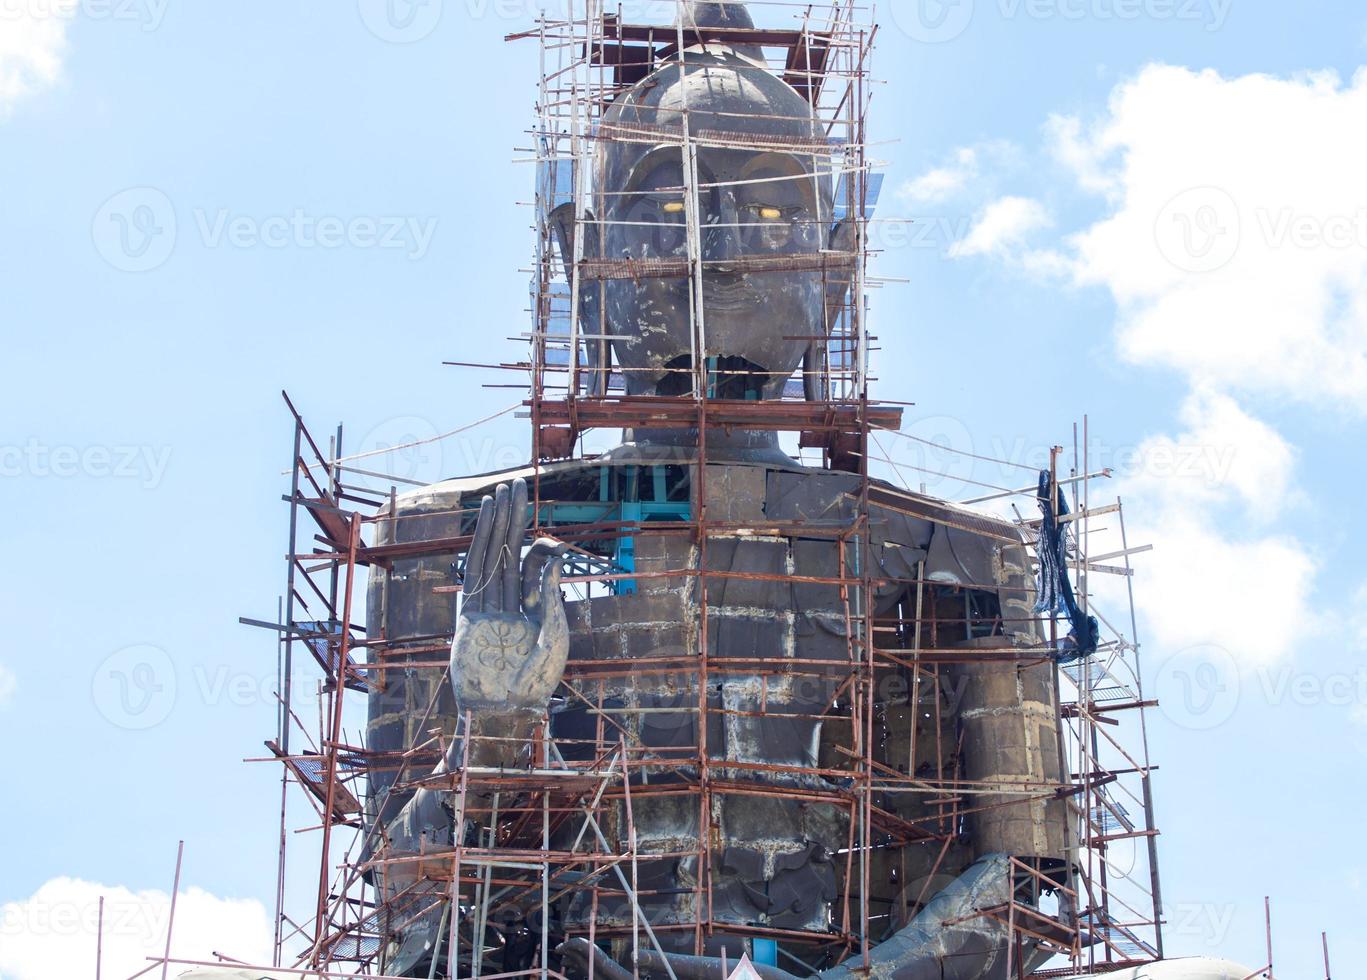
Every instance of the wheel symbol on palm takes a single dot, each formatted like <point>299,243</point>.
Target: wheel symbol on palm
<point>500,644</point>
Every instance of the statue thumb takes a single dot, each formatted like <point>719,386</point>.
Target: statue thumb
<point>541,576</point>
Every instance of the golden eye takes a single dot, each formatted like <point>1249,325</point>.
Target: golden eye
<point>673,207</point>
<point>770,214</point>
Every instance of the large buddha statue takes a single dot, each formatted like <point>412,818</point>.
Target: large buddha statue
<point>746,782</point>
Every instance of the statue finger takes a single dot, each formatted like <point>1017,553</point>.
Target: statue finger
<point>517,530</point>
<point>543,550</point>
<point>474,584</point>
<point>496,557</point>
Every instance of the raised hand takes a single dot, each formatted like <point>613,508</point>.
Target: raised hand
<point>511,640</point>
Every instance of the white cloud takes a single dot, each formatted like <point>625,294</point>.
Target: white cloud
<point>1251,596</point>
<point>32,46</point>
<point>1084,159</point>
<point>1236,243</point>
<point>1001,226</point>
<point>1224,457</point>
<point>52,933</point>
<point>942,182</point>
<point>1248,589</point>
<point>968,167</point>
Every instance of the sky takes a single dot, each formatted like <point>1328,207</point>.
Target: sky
<point>1147,212</point>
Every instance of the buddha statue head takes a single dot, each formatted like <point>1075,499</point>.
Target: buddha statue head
<point>762,185</point>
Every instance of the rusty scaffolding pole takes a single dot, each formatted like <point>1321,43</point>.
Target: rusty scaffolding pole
<point>1112,915</point>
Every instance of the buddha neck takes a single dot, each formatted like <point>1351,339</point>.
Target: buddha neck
<point>736,445</point>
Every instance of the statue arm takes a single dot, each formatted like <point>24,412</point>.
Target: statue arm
<point>507,656</point>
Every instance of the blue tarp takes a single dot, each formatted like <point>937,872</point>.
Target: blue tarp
<point>1054,589</point>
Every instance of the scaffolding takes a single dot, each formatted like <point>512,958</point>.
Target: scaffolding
<point>1105,900</point>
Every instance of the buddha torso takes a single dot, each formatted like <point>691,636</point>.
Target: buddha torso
<point>755,840</point>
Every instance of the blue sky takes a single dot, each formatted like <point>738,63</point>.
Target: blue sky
<point>1149,211</point>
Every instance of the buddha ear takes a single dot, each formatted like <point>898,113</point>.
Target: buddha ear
<point>562,224</point>
<point>597,362</point>
<point>842,244</point>
<point>816,373</point>
<point>816,362</point>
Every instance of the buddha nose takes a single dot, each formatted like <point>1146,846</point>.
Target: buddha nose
<point>721,237</point>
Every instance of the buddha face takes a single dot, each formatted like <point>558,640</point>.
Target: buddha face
<point>749,204</point>
<point>756,208</point>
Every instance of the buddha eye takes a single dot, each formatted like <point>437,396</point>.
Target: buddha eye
<point>770,214</point>
<point>672,207</point>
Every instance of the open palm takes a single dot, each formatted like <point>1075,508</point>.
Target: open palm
<point>511,639</point>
